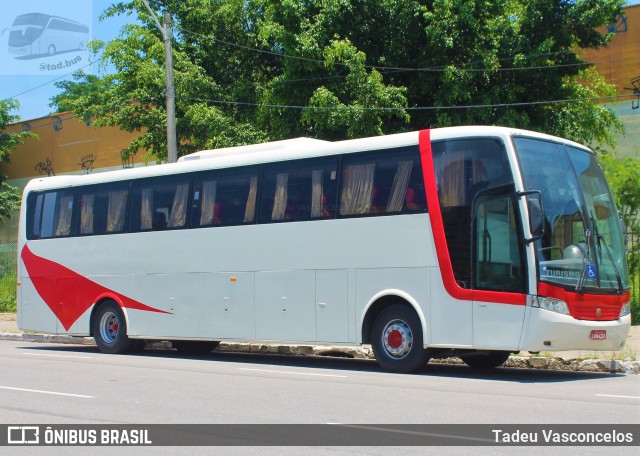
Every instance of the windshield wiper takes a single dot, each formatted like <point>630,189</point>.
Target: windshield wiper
<point>587,235</point>
<point>601,240</point>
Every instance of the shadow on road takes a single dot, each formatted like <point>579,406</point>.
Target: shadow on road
<point>343,364</point>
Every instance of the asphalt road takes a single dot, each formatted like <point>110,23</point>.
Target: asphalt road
<point>76,384</point>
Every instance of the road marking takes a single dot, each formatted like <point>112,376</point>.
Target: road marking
<point>292,373</point>
<point>82,396</point>
<point>615,395</point>
<point>58,356</point>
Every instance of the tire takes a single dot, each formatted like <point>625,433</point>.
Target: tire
<point>51,50</point>
<point>110,330</point>
<point>485,359</point>
<point>195,347</point>
<point>397,340</point>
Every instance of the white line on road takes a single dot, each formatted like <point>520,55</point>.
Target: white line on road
<point>58,356</point>
<point>615,395</point>
<point>292,373</point>
<point>82,396</point>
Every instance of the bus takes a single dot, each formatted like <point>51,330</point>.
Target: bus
<point>474,242</point>
<point>40,34</point>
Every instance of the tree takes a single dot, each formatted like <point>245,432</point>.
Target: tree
<point>9,196</point>
<point>248,71</point>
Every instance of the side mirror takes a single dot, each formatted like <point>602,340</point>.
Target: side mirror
<point>536,214</point>
<point>625,234</point>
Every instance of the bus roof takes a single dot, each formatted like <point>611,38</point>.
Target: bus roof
<point>278,151</point>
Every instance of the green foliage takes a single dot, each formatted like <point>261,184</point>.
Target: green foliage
<point>9,196</point>
<point>624,178</point>
<point>258,70</point>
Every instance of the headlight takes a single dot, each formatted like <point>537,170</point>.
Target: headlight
<point>626,309</point>
<point>551,304</point>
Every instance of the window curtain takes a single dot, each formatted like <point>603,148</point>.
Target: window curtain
<point>116,211</point>
<point>178,217</point>
<point>280,197</point>
<point>399,187</point>
<point>357,189</point>
<point>250,210</point>
<point>209,189</point>
<point>317,193</point>
<point>86,214</point>
<point>146,211</point>
<point>63,227</point>
<point>452,186</point>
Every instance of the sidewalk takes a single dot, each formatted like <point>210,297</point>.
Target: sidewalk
<point>625,361</point>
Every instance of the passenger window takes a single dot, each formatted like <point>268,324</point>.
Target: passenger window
<point>102,208</point>
<point>382,182</point>
<point>226,197</point>
<point>300,190</point>
<point>160,203</point>
<point>51,214</point>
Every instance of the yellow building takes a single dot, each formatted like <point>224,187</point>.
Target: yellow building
<point>63,145</point>
<point>619,63</point>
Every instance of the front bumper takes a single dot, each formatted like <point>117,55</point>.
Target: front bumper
<point>550,331</point>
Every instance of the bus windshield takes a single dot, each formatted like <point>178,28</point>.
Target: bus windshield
<point>582,246</point>
<point>27,28</point>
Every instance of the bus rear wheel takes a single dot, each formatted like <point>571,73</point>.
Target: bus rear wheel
<point>110,329</point>
<point>485,360</point>
<point>397,341</point>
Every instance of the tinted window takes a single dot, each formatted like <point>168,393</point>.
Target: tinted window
<point>50,214</point>
<point>384,182</point>
<point>159,204</point>
<point>300,190</point>
<point>226,197</point>
<point>102,208</point>
<point>464,168</point>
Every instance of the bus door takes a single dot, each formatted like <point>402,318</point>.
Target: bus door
<point>498,269</point>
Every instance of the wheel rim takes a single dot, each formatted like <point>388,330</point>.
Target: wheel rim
<point>397,339</point>
<point>109,327</point>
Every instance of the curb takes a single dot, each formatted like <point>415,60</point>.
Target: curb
<point>520,362</point>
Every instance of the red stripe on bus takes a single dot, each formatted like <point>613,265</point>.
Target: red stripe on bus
<point>442,250</point>
<point>67,293</point>
<point>587,306</point>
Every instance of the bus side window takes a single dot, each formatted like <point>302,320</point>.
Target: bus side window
<point>298,190</point>
<point>160,203</point>
<point>224,198</point>
<point>382,182</point>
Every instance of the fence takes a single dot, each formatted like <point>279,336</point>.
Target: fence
<point>8,266</point>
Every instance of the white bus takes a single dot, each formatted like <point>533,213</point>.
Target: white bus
<point>37,34</point>
<point>468,241</point>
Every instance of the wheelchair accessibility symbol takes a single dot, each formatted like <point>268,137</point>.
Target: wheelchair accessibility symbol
<point>591,271</point>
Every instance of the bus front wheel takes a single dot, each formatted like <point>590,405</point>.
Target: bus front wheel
<point>110,329</point>
<point>397,341</point>
<point>51,50</point>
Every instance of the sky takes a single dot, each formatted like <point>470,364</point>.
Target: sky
<point>30,78</point>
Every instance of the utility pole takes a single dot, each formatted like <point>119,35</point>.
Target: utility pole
<point>172,143</point>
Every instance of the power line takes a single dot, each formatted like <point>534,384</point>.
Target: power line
<point>438,69</point>
<point>413,108</point>
<point>49,82</point>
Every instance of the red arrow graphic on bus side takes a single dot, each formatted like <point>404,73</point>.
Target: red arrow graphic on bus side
<point>67,293</point>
